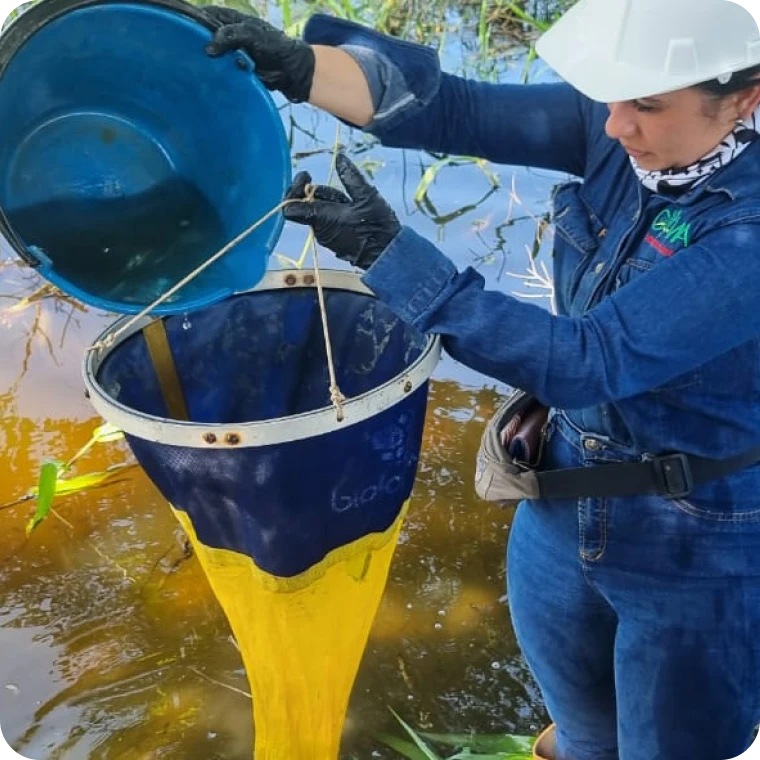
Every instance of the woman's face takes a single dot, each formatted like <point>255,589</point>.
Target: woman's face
<point>676,129</point>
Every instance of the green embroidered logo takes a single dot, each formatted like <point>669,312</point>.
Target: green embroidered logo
<point>668,227</point>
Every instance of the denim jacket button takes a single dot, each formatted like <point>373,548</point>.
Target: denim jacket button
<point>598,268</point>
<point>591,444</point>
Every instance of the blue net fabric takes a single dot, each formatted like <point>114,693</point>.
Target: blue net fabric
<point>261,356</point>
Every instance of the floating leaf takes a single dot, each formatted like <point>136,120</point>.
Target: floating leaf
<point>370,166</point>
<point>402,746</point>
<point>66,486</point>
<point>483,742</point>
<point>45,494</point>
<point>107,433</point>
<point>427,753</point>
<point>432,171</point>
<point>85,482</point>
<point>470,746</point>
<point>466,755</point>
<point>104,434</point>
<point>428,177</point>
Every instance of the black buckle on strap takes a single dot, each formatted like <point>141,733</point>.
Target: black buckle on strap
<point>673,475</point>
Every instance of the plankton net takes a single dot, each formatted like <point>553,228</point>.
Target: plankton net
<point>293,514</point>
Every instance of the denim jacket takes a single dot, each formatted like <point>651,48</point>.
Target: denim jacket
<point>656,345</point>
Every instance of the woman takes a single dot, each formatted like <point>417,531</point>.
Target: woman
<point>637,604</point>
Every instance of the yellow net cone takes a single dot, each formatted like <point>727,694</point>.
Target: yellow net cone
<point>301,638</point>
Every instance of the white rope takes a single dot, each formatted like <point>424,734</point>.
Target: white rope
<point>336,397</point>
<point>108,341</point>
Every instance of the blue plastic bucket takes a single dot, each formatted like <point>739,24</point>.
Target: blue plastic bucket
<point>129,156</point>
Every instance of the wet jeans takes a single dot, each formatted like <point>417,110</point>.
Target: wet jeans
<point>639,618</point>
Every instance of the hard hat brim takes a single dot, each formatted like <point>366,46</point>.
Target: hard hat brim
<point>595,75</point>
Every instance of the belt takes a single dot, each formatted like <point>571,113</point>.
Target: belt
<point>670,475</point>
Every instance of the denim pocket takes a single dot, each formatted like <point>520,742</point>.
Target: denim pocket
<point>717,512</point>
<point>632,267</point>
<point>578,232</point>
<point>574,220</point>
<point>733,499</point>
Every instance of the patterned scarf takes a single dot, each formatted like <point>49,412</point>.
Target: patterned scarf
<point>680,180</point>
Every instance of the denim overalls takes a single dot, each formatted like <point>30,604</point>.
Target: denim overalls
<point>639,617</point>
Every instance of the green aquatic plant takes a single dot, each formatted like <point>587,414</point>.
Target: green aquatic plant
<point>53,480</point>
<point>422,745</point>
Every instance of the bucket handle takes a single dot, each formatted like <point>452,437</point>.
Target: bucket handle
<point>17,244</point>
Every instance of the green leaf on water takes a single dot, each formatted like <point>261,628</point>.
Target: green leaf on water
<point>107,433</point>
<point>428,178</point>
<point>432,171</point>
<point>402,746</point>
<point>45,494</point>
<point>427,753</point>
<point>484,742</point>
<point>85,482</point>
<point>471,746</point>
<point>466,755</point>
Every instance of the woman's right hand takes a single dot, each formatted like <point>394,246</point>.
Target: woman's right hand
<point>282,63</point>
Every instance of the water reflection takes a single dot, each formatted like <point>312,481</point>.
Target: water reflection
<point>125,654</point>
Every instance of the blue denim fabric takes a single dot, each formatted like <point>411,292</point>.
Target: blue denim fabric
<point>656,344</point>
<point>640,618</point>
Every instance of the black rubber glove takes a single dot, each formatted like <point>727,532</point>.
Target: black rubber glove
<point>282,63</point>
<point>357,227</point>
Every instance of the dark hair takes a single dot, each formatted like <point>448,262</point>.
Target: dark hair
<point>741,80</point>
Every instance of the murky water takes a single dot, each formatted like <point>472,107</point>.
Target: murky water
<point>127,249</point>
<point>112,646</point>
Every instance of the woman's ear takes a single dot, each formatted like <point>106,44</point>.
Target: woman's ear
<point>747,101</point>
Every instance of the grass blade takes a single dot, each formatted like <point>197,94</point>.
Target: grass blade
<point>85,482</point>
<point>467,755</point>
<point>427,753</point>
<point>484,742</point>
<point>432,171</point>
<point>107,433</point>
<point>402,746</point>
<point>526,18</point>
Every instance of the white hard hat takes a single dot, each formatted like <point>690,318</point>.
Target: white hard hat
<point>614,50</point>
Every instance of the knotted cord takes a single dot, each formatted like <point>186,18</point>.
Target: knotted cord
<point>336,396</point>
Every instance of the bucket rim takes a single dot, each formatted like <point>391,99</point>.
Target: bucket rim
<point>18,32</point>
<point>261,432</point>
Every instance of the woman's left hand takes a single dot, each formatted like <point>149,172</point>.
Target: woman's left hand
<point>357,227</point>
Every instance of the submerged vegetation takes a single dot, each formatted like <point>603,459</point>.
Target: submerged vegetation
<point>423,746</point>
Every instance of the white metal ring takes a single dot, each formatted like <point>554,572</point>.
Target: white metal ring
<point>265,432</point>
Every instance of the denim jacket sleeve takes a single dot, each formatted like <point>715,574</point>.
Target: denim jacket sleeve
<point>418,106</point>
<point>688,310</point>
